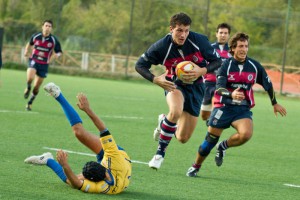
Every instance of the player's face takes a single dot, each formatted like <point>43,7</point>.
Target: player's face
<point>47,28</point>
<point>180,33</point>
<point>222,35</point>
<point>240,51</point>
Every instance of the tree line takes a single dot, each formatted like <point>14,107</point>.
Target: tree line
<point>129,27</point>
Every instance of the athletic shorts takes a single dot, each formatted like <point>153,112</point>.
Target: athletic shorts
<point>41,69</point>
<point>193,96</point>
<point>224,116</point>
<point>209,91</point>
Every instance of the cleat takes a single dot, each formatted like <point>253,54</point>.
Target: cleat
<point>26,93</point>
<point>52,89</point>
<point>156,162</point>
<point>158,129</point>
<point>39,160</point>
<point>192,172</point>
<point>29,107</point>
<point>219,156</point>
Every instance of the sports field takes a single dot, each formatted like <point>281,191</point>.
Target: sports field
<point>267,167</point>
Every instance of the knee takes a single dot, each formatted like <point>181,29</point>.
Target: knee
<point>207,145</point>
<point>78,130</point>
<point>182,139</point>
<point>245,136</point>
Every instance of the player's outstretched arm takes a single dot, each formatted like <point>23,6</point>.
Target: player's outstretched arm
<point>278,108</point>
<point>72,179</point>
<point>84,105</point>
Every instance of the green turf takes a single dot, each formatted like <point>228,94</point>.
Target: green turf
<point>256,170</point>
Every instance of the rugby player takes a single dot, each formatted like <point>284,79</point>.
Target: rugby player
<point>112,171</point>
<point>41,45</point>
<point>233,100</point>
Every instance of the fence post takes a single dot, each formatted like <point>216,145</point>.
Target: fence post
<point>85,61</point>
<point>113,63</point>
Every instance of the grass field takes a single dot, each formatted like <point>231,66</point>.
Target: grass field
<point>259,169</point>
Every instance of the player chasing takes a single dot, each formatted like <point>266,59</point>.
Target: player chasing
<point>112,171</point>
<point>221,46</point>
<point>233,100</point>
<point>42,45</point>
<point>184,100</point>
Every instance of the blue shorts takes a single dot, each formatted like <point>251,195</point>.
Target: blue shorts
<point>209,91</point>
<point>41,69</point>
<point>193,96</point>
<point>224,116</point>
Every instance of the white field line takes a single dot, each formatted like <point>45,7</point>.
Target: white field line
<point>292,185</point>
<point>22,112</point>
<point>105,116</point>
<point>88,154</point>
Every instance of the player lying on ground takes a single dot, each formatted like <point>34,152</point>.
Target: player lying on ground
<point>112,171</point>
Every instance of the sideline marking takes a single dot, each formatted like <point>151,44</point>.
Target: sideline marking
<point>89,154</point>
<point>23,112</point>
<point>291,185</point>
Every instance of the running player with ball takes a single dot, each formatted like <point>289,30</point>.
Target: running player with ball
<point>183,96</point>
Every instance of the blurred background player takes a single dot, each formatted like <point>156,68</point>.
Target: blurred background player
<point>110,175</point>
<point>221,45</point>
<point>233,100</point>
<point>184,100</point>
<point>41,45</point>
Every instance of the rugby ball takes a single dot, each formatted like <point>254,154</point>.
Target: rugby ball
<point>182,68</point>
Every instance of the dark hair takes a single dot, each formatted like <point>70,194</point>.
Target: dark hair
<point>180,19</point>
<point>235,38</point>
<point>48,21</point>
<point>224,25</point>
<point>93,171</point>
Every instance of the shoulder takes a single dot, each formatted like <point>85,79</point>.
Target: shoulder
<point>197,36</point>
<point>163,42</point>
<point>253,62</point>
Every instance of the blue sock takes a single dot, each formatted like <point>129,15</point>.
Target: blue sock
<point>69,111</point>
<point>57,168</point>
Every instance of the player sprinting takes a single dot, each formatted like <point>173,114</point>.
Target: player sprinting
<point>112,171</point>
<point>221,46</point>
<point>42,46</point>
<point>184,100</point>
<point>233,100</point>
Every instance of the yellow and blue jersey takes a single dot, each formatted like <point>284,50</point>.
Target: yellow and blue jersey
<point>119,168</point>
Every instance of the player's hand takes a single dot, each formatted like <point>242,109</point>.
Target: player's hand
<point>278,108</point>
<point>164,83</point>
<point>83,103</point>
<point>238,95</point>
<point>62,157</point>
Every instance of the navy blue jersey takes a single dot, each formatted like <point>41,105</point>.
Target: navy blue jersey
<point>165,52</point>
<point>43,47</point>
<point>224,54</point>
<point>242,75</point>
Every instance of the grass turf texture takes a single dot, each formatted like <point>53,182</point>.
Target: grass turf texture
<point>257,170</point>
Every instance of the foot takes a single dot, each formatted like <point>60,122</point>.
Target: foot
<point>39,160</point>
<point>26,93</point>
<point>192,172</point>
<point>156,162</point>
<point>219,156</point>
<point>29,107</point>
<point>158,129</point>
<point>52,89</point>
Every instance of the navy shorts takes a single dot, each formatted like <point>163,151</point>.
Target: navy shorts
<point>193,96</point>
<point>209,91</point>
<point>224,116</point>
<point>41,69</point>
